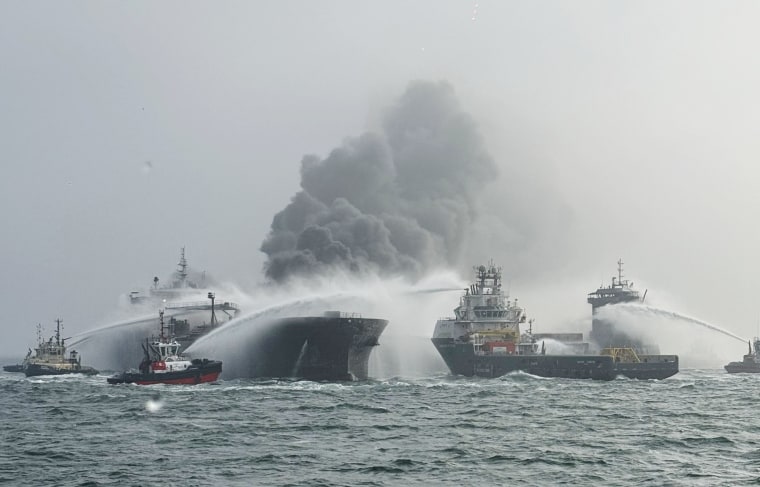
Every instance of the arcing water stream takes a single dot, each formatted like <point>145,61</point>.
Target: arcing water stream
<point>651,310</point>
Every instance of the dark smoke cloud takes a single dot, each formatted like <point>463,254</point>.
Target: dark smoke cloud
<point>396,202</point>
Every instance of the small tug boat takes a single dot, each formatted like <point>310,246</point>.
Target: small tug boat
<point>163,364</point>
<point>750,363</point>
<point>50,357</point>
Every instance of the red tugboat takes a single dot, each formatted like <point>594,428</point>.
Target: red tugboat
<point>163,364</point>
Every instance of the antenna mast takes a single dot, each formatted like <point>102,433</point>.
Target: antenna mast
<point>212,296</point>
<point>620,271</point>
<point>161,322</point>
<point>58,331</point>
<point>182,270</point>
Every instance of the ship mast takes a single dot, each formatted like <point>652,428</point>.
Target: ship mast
<point>182,270</point>
<point>620,271</point>
<point>161,323</point>
<point>58,332</point>
<point>212,296</point>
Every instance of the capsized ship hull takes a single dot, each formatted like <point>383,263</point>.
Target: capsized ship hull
<point>336,346</point>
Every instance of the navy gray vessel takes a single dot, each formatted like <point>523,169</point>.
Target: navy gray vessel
<point>750,364</point>
<point>484,339</point>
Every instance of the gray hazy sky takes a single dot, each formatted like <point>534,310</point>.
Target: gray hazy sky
<point>620,129</point>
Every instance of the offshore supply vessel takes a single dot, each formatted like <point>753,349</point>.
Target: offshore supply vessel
<point>163,364</point>
<point>750,362</point>
<point>50,357</point>
<point>484,339</point>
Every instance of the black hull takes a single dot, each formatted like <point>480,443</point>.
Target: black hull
<point>742,368</point>
<point>323,348</point>
<point>35,370</point>
<point>206,371</point>
<point>462,360</point>
<point>13,368</point>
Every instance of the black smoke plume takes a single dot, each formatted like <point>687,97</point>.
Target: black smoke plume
<point>400,201</point>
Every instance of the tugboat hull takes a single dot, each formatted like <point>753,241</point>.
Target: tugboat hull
<point>13,368</point>
<point>34,370</point>
<point>206,371</point>
<point>742,368</point>
<point>750,363</point>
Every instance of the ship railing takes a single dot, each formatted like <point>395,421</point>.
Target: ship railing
<point>341,314</point>
<point>225,305</point>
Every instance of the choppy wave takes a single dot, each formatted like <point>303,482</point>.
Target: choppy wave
<point>697,428</point>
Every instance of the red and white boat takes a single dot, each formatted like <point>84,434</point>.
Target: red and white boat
<point>163,364</point>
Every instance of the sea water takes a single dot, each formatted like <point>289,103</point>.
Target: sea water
<point>699,427</point>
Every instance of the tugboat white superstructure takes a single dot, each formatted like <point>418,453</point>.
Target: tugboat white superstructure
<point>484,339</point>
